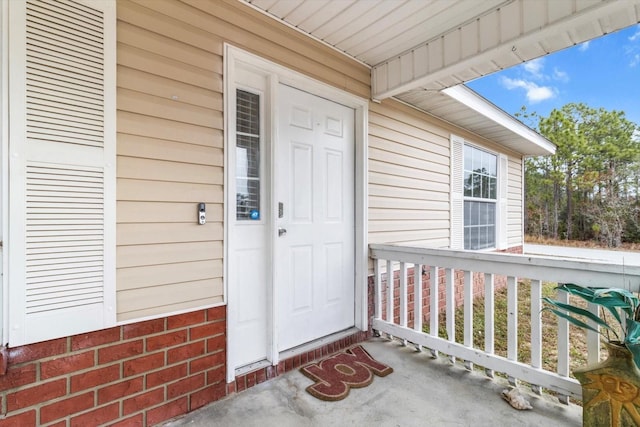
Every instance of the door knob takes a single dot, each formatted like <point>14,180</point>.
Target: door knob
<point>281,231</point>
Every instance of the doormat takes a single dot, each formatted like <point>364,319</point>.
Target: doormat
<point>336,374</point>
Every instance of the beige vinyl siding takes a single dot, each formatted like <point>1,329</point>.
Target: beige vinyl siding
<point>408,177</point>
<point>170,142</point>
<point>409,162</point>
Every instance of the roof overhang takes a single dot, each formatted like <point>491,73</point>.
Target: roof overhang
<point>465,108</point>
<point>505,36</point>
<point>421,52</point>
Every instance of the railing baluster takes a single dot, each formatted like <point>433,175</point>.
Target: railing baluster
<point>377,280</point>
<point>403,297</point>
<point>593,339</point>
<point>468,314</point>
<point>512,322</point>
<point>434,305</point>
<point>490,265</point>
<point>417,300</point>
<point>390,294</point>
<point>536,329</point>
<point>489,315</point>
<point>563,345</point>
<point>451,306</point>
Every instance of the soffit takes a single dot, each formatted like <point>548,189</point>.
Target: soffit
<point>416,48</point>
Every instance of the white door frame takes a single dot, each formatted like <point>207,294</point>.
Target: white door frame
<point>279,74</point>
<point>4,168</point>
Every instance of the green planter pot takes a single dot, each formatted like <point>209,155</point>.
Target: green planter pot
<point>611,390</point>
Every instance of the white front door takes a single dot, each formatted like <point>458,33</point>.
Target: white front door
<point>314,198</point>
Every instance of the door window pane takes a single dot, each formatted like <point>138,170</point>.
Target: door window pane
<point>247,155</point>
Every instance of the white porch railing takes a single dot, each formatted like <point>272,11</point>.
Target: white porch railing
<point>442,266</point>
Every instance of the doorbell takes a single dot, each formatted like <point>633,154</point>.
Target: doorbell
<point>202,214</point>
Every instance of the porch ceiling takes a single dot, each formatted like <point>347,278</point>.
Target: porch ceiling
<point>418,47</point>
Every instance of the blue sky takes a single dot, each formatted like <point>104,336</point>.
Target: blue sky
<point>604,72</point>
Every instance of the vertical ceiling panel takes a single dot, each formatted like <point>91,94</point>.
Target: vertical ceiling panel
<point>536,13</point>
<point>558,9</point>
<point>284,7</point>
<point>581,5</point>
<point>372,16</point>
<point>304,11</point>
<point>345,18</point>
<point>436,54</point>
<point>405,34</point>
<point>510,21</point>
<point>324,15</point>
<point>488,32</point>
<point>469,39</point>
<point>452,47</point>
<point>397,22</point>
<point>406,68</point>
<point>421,60</point>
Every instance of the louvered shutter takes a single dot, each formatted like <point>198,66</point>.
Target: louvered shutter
<point>457,192</point>
<point>61,245</point>
<point>503,188</point>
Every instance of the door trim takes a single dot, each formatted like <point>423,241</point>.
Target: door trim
<point>278,74</point>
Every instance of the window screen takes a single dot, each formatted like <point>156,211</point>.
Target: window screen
<point>247,155</point>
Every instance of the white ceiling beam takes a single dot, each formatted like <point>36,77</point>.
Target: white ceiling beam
<point>519,31</point>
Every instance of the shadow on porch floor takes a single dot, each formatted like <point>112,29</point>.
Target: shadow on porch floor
<point>420,392</point>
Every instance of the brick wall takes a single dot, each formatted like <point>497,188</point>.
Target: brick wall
<point>132,375</point>
<point>139,374</point>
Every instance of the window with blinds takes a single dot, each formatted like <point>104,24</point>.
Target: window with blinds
<point>247,155</point>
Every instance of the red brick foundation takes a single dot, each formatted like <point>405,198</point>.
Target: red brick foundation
<point>139,374</point>
<point>132,375</point>
<point>250,379</point>
<point>261,375</point>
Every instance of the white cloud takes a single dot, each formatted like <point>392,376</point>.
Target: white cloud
<point>560,75</point>
<point>534,93</point>
<point>635,60</point>
<point>636,35</point>
<point>584,46</point>
<point>534,67</point>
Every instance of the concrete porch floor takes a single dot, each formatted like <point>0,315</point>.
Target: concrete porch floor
<point>420,392</point>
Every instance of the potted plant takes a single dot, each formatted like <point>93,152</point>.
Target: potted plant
<point>611,388</point>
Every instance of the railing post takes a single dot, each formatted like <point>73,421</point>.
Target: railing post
<point>417,300</point>
<point>536,329</point>
<point>468,314</point>
<point>512,323</point>
<point>434,305</point>
<point>377,285</point>
<point>403,297</point>
<point>489,324</point>
<point>451,306</point>
<point>390,293</point>
<point>563,345</point>
<point>593,339</point>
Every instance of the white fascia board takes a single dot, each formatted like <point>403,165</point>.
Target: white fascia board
<point>473,100</point>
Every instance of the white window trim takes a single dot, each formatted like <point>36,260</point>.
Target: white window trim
<point>280,74</point>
